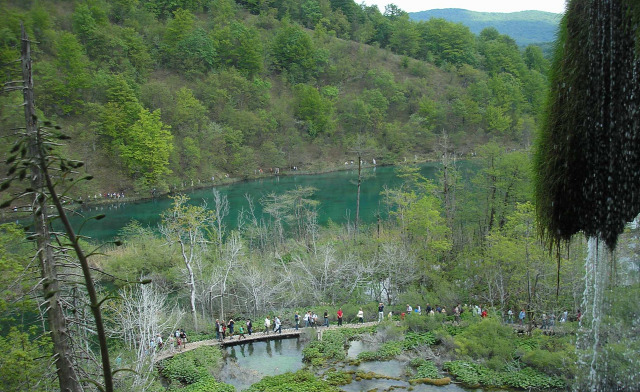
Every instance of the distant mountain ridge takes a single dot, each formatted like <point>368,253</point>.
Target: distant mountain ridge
<point>525,27</point>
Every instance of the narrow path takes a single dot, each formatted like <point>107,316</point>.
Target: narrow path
<point>255,337</point>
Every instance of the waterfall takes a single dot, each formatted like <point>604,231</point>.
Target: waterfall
<point>608,337</point>
<point>596,277</point>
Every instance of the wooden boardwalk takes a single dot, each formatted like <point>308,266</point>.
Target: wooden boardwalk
<point>166,352</point>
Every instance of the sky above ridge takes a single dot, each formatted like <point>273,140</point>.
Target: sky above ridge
<point>556,6</point>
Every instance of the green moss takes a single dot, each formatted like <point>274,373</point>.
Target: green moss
<point>431,381</point>
<point>360,375</point>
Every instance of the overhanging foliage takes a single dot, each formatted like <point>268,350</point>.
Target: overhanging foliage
<point>587,160</point>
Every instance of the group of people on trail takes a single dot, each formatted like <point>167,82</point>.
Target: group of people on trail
<point>222,329</point>
<point>179,338</point>
<point>310,319</point>
<point>547,321</point>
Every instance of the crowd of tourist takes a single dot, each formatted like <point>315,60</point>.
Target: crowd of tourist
<point>230,329</point>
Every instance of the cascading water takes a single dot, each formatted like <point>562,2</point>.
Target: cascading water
<point>595,281</point>
<point>608,340</point>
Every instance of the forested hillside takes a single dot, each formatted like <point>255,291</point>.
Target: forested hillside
<point>156,94</point>
<point>525,27</point>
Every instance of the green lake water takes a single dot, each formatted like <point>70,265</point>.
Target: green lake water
<point>247,364</point>
<point>336,192</point>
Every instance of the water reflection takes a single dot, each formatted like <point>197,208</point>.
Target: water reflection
<point>247,364</point>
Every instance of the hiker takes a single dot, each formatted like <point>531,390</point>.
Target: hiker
<point>277,325</point>
<point>249,326</point>
<point>240,332</point>
<point>267,325</point>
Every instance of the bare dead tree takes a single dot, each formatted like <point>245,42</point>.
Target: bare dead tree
<point>34,155</point>
<point>221,203</point>
<point>142,313</point>
<point>222,272</point>
<point>360,149</point>
<point>185,225</point>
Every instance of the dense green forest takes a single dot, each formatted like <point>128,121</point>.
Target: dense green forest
<point>525,27</point>
<point>156,94</point>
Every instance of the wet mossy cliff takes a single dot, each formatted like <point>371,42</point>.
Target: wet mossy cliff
<point>587,158</point>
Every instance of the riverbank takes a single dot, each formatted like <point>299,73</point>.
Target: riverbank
<point>17,213</point>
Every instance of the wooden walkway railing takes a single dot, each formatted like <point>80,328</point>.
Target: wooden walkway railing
<point>167,352</point>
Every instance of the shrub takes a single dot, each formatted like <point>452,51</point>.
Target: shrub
<point>415,362</point>
<point>208,384</point>
<point>192,366</point>
<point>427,370</point>
<point>301,380</point>
<point>386,352</point>
<point>332,346</point>
<point>389,331</point>
<point>338,377</point>
<point>488,340</point>
<point>475,375</point>
<point>413,340</point>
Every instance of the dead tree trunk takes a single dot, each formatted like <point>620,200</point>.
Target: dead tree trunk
<point>63,352</point>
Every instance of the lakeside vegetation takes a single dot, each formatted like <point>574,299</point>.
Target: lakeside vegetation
<point>288,262</point>
<point>197,91</point>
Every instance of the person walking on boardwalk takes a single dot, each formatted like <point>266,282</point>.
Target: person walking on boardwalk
<point>183,336</point>
<point>361,316</point>
<point>159,342</point>
<point>340,317</point>
<point>178,340</point>
<point>277,325</point>
<point>221,329</point>
<point>172,343</point>
<point>521,316</point>
<point>267,325</point>
<point>217,329</point>
<point>314,320</point>
<point>306,319</point>
<point>231,325</point>
<point>296,320</point>
<point>240,332</point>
<point>380,312</point>
<point>249,326</point>
<point>326,318</point>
